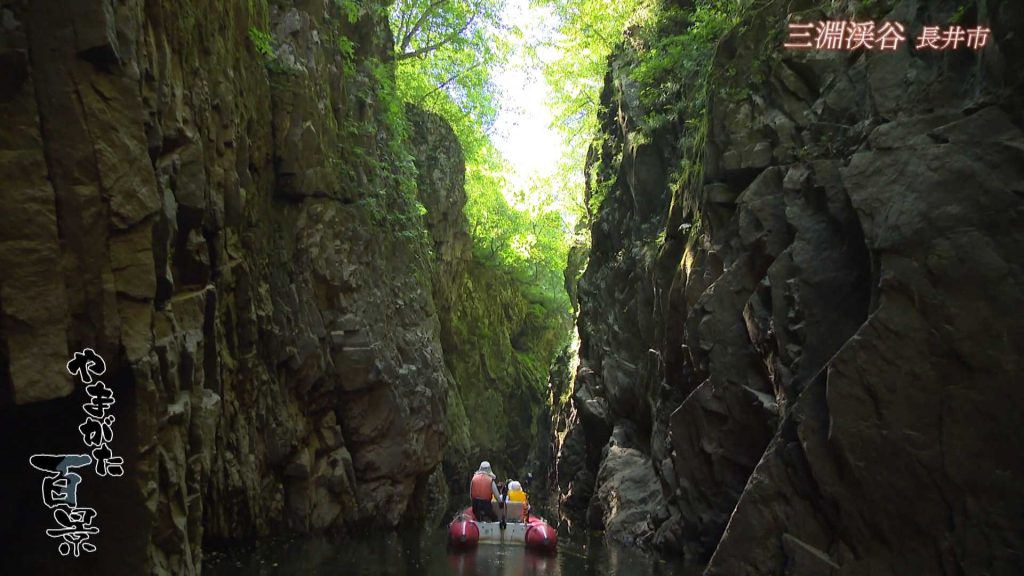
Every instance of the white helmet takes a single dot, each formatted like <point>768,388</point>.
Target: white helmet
<point>485,467</point>
<point>514,485</point>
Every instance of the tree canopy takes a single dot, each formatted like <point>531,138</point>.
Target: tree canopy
<point>447,52</point>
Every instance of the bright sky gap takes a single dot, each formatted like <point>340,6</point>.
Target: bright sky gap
<point>523,130</point>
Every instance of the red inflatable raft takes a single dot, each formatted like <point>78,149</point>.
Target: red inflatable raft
<point>465,532</point>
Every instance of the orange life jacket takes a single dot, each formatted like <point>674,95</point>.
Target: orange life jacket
<point>480,487</point>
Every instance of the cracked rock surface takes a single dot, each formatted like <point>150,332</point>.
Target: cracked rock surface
<point>196,212</point>
<point>817,348</point>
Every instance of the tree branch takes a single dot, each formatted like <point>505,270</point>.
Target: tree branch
<point>407,38</point>
<point>430,48</point>
<point>452,78</point>
<point>400,29</point>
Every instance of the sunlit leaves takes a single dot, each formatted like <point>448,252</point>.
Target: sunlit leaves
<point>576,58</point>
<point>447,52</point>
<point>678,52</point>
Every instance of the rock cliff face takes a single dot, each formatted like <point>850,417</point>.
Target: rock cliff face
<point>232,207</point>
<point>207,195</point>
<point>813,351</point>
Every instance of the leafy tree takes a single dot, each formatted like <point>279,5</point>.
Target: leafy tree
<point>425,26</point>
<point>446,53</point>
<point>587,32</point>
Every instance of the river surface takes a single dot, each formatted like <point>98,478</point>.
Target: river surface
<point>425,554</point>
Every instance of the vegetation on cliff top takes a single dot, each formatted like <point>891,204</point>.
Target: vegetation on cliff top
<point>446,53</point>
<point>665,52</point>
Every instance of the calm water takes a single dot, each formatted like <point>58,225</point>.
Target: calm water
<point>416,554</point>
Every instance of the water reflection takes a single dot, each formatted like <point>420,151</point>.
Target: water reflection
<point>425,554</point>
<point>488,560</point>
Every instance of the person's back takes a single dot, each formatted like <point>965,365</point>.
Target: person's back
<point>481,488</point>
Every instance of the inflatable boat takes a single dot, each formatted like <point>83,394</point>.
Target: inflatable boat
<point>465,531</point>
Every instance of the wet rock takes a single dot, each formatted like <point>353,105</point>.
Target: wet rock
<point>829,310</point>
<point>187,207</point>
<point>629,492</point>
<point>802,558</point>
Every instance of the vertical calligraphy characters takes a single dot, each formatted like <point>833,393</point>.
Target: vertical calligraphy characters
<point>60,486</point>
<point>849,36</point>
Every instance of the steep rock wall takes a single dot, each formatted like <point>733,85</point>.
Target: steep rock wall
<point>229,231</point>
<point>818,361</point>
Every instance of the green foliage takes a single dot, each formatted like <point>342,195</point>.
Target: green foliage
<point>401,216</point>
<point>347,48</point>
<point>262,41</point>
<point>587,33</point>
<point>675,51</point>
<point>376,157</point>
<point>961,11</point>
<point>666,51</point>
<point>673,67</point>
<point>392,108</point>
<point>423,27</point>
<point>352,10</point>
<point>447,52</point>
<point>528,241</point>
<point>498,347</point>
<point>391,161</point>
<point>575,60</point>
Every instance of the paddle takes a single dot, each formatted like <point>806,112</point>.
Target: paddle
<point>504,508</point>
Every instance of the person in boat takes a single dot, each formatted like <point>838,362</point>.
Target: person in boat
<point>517,494</point>
<point>481,488</point>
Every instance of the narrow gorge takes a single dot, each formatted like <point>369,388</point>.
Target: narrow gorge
<point>790,339</point>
